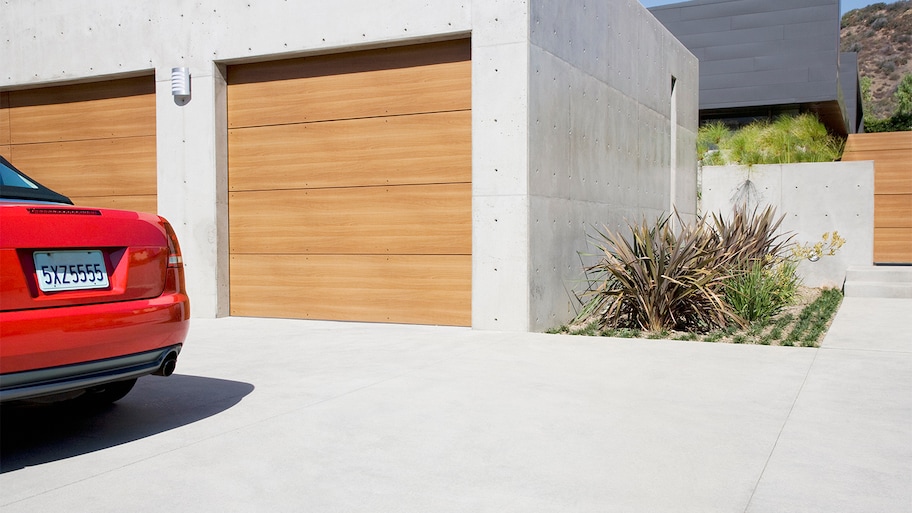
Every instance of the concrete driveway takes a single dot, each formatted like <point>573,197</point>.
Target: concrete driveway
<point>281,415</point>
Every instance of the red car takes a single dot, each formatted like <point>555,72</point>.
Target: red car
<point>90,298</point>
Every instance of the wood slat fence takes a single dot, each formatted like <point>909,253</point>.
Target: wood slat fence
<point>892,156</point>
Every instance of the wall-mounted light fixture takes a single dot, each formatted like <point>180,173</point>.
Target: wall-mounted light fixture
<point>180,81</point>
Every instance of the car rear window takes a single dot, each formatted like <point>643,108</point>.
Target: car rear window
<point>16,185</point>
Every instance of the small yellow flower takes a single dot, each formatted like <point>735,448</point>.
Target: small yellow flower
<point>828,245</point>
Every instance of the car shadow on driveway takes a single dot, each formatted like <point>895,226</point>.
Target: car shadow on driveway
<point>33,433</point>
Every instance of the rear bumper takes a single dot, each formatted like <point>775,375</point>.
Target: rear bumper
<point>57,380</point>
<point>32,340</point>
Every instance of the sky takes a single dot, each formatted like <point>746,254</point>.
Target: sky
<point>845,5</point>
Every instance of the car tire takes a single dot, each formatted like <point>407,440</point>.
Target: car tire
<point>107,393</point>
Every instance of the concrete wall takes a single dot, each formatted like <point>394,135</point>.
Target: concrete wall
<point>607,141</point>
<point>815,198</point>
<point>598,75</point>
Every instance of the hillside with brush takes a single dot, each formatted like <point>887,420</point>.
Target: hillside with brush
<point>881,34</point>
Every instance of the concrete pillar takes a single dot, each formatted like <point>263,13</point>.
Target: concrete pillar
<point>193,181</point>
<point>500,166</point>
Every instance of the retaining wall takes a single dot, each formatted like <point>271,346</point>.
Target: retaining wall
<point>814,197</point>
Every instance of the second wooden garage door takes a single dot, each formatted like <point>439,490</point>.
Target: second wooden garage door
<point>350,186</point>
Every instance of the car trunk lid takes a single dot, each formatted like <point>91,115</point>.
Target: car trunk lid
<point>58,255</point>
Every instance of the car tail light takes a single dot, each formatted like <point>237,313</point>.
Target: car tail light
<point>175,271</point>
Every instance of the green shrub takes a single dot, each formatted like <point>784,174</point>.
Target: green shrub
<point>899,122</point>
<point>802,139</point>
<point>764,290</point>
<point>709,141</point>
<point>763,278</point>
<point>788,139</point>
<point>745,146</point>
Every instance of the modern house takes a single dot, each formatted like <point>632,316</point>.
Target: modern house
<point>413,161</point>
<point>763,58</point>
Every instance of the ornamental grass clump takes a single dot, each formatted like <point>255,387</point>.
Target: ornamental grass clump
<point>658,279</point>
<point>764,290</point>
<point>751,236</point>
<point>701,277</point>
<point>763,278</point>
<point>787,139</point>
<point>710,139</point>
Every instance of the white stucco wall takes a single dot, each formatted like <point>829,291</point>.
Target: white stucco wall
<point>598,75</point>
<point>815,198</point>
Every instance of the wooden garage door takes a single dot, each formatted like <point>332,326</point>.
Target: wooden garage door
<point>350,186</point>
<point>92,142</point>
<point>892,156</point>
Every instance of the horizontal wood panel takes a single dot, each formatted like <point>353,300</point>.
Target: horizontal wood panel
<point>457,50</point>
<point>426,148</point>
<point>893,245</point>
<point>893,211</point>
<point>421,219</point>
<point>405,80</point>
<point>4,123</point>
<point>89,91</point>
<point>103,167</point>
<point>399,289</point>
<point>893,176</point>
<point>117,108</point>
<point>350,186</point>
<point>140,203</point>
<point>892,156</point>
<point>890,141</point>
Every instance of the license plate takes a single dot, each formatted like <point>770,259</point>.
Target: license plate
<point>70,270</point>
